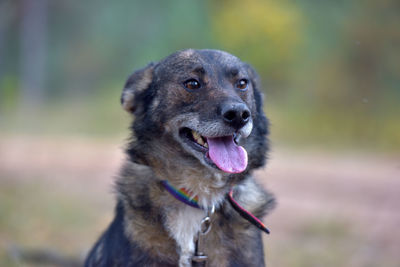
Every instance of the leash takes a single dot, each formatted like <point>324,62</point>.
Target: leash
<point>246,214</point>
<point>199,258</point>
<point>183,195</point>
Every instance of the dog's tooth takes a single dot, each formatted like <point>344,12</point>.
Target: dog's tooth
<point>196,135</point>
<point>200,141</point>
<point>205,145</point>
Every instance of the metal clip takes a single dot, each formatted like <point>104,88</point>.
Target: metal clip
<point>199,258</point>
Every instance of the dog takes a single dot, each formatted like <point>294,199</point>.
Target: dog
<point>185,194</point>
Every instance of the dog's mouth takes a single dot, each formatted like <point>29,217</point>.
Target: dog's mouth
<point>222,152</point>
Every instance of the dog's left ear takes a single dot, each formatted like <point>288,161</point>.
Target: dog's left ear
<point>258,94</point>
<point>260,130</point>
<point>139,81</point>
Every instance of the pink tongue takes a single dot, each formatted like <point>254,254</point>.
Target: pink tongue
<point>227,155</point>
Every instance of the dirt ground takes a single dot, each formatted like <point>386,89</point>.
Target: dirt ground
<point>334,208</point>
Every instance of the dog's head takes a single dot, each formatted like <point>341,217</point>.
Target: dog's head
<point>202,106</point>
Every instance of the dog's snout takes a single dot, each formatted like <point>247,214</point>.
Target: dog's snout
<point>236,114</point>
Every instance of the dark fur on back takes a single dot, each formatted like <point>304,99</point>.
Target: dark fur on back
<point>152,228</point>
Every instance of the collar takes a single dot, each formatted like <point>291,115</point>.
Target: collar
<point>184,196</point>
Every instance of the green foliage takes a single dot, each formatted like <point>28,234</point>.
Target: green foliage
<point>266,33</point>
<point>8,93</point>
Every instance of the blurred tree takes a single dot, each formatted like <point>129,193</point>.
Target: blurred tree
<point>7,83</point>
<point>33,51</point>
<point>3,24</point>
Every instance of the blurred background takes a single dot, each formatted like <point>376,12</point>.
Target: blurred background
<point>331,76</point>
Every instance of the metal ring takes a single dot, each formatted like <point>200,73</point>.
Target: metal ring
<point>205,226</point>
<point>211,211</point>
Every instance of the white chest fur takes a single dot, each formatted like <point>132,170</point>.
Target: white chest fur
<point>183,226</point>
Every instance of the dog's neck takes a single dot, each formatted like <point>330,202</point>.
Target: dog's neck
<point>208,183</point>
<point>185,196</point>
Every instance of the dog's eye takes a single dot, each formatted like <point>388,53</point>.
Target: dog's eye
<point>192,84</point>
<point>242,84</point>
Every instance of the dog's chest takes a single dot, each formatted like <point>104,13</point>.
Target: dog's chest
<point>184,225</point>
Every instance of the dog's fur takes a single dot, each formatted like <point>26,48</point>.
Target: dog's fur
<point>151,227</point>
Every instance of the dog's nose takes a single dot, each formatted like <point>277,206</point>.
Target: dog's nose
<point>235,114</point>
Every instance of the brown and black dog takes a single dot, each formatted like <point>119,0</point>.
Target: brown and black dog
<point>198,133</point>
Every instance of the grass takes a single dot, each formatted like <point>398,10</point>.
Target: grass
<point>327,242</point>
<point>44,216</point>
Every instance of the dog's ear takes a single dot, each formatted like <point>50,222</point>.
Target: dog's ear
<point>260,130</point>
<point>258,94</point>
<point>137,82</point>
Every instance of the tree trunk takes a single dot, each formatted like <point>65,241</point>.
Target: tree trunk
<point>33,53</point>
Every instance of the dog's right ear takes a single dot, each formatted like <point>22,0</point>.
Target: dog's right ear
<point>138,82</point>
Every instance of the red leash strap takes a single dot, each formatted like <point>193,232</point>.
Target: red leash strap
<point>246,214</point>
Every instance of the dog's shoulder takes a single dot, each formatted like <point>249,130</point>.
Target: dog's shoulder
<point>115,248</point>
<point>255,198</point>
